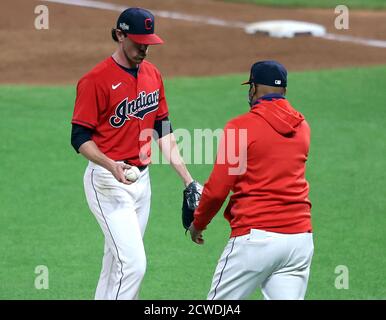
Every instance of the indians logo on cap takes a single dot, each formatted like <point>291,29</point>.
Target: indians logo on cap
<point>277,81</point>
<point>148,24</point>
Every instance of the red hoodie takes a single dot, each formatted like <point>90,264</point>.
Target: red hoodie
<point>270,191</point>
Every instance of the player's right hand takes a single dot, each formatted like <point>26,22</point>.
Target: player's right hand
<point>117,171</point>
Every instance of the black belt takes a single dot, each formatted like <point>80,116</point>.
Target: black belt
<point>141,168</point>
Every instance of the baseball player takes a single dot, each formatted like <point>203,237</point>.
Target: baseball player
<point>119,105</point>
<point>271,244</point>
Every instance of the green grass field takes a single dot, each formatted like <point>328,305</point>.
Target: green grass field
<point>45,219</point>
<point>357,4</point>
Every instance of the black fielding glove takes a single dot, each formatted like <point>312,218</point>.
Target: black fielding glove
<point>191,199</point>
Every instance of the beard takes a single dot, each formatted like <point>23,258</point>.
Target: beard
<point>136,60</point>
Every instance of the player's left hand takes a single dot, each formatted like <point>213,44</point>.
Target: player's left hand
<point>196,235</point>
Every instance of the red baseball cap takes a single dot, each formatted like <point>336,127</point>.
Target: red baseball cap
<point>138,25</point>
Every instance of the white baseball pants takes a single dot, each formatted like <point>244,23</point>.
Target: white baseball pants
<point>278,264</point>
<point>122,212</point>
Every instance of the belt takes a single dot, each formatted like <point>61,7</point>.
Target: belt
<point>141,168</point>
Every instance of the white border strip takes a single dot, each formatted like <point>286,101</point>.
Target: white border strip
<point>210,21</point>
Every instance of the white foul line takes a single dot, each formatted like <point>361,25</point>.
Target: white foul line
<point>91,4</point>
<point>210,20</point>
<point>364,41</point>
<point>158,13</point>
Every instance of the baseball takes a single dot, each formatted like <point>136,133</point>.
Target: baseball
<point>132,174</point>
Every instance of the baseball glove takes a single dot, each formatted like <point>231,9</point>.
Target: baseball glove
<point>191,198</point>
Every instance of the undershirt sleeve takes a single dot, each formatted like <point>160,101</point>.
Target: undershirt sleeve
<point>79,135</point>
<point>162,127</point>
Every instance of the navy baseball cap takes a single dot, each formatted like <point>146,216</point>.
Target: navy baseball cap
<point>270,73</point>
<point>138,25</point>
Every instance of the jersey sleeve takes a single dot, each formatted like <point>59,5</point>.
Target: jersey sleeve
<point>163,110</point>
<point>88,104</point>
<point>229,165</point>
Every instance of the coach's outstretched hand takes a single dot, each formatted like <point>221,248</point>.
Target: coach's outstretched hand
<point>196,235</point>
